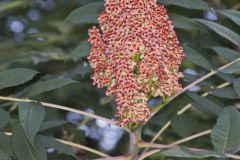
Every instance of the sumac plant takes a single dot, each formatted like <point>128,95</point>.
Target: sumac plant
<point>119,79</point>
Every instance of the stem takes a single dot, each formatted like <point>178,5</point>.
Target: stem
<point>191,149</point>
<point>133,151</point>
<point>180,112</point>
<point>213,72</point>
<point>79,146</point>
<point>75,145</point>
<point>12,5</point>
<point>59,107</point>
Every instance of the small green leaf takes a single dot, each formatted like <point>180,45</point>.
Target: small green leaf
<point>4,118</point>
<point>236,85</point>
<point>196,58</point>
<point>222,31</point>
<point>231,14</point>
<point>227,92</point>
<point>182,125</point>
<point>23,149</point>
<point>85,14</point>
<point>81,51</point>
<point>48,85</point>
<point>60,147</point>
<point>225,134</point>
<point>51,124</point>
<point>187,153</point>
<point>204,104</point>
<point>31,116</point>
<point>190,4</point>
<point>14,77</point>
<point>226,53</point>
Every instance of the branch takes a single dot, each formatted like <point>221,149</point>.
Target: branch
<point>59,107</point>
<point>152,152</point>
<point>188,106</point>
<point>213,72</point>
<point>171,145</point>
<point>75,145</point>
<point>180,112</point>
<point>79,146</point>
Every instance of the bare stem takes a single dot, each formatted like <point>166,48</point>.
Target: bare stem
<point>75,145</point>
<point>59,107</point>
<point>180,112</point>
<point>79,146</point>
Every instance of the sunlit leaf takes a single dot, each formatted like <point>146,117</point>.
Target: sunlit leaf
<point>225,134</point>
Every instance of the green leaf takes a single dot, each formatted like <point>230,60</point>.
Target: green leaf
<point>227,92</point>
<point>226,53</point>
<point>182,125</point>
<point>23,149</point>
<point>190,4</point>
<point>4,155</point>
<point>4,118</point>
<point>187,153</point>
<point>231,14</point>
<point>14,77</point>
<point>222,31</point>
<point>225,134</point>
<point>183,22</point>
<point>204,104</point>
<point>6,144</point>
<point>48,85</point>
<point>31,116</point>
<point>81,51</point>
<point>196,58</point>
<point>234,68</point>
<point>236,85</point>
<point>60,147</point>
<point>51,124</point>
<point>85,14</point>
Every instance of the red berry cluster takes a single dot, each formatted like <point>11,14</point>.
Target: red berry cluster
<point>135,55</point>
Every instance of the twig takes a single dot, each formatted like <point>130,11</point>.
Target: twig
<point>213,72</point>
<point>192,137</point>
<point>180,112</point>
<point>152,152</point>
<point>79,146</point>
<point>75,145</point>
<point>59,107</point>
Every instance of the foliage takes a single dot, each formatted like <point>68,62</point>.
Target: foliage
<point>46,62</point>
